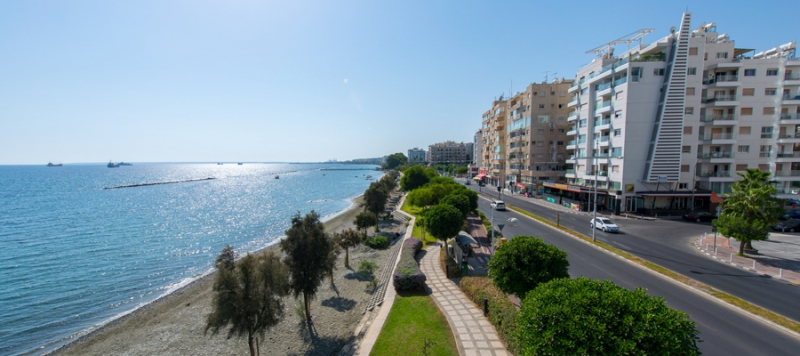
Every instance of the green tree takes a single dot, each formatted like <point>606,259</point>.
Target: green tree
<point>443,221</point>
<point>348,238</point>
<point>394,160</point>
<point>421,197</point>
<point>458,201</point>
<point>307,250</point>
<point>750,209</point>
<point>523,263</point>
<point>226,258</point>
<point>471,195</point>
<point>588,317</point>
<point>364,220</point>
<point>463,170</point>
<point>375,198</point>
<point>414,178</point>
<point>247,295</point>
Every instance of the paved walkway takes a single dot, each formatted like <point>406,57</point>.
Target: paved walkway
<point>478,232</point>
<point>778,257</point>
<point>475,336</point>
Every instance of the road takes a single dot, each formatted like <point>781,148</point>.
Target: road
<point>666,243</point>
<point>724,330</point>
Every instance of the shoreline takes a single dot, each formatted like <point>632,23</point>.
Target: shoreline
<point>337,221</point>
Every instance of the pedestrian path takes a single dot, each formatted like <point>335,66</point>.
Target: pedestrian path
<point>474,335</point>
<point>779,257</point>
<point>478,232</point>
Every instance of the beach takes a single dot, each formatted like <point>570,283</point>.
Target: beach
<point>174,324</point>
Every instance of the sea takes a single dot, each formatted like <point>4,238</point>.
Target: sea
<point>75,255</point>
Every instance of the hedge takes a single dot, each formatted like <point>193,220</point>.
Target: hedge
<point>408,275</point>
<point>502,314</point>
<point>378,242</point>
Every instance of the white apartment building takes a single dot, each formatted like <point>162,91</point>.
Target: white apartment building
<point>684,112</point>
<point>416,155</point>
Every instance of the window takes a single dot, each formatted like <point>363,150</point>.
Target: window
<point>560,118</point>
<point>766,132</point>
<point>747,111</point>
<point>615,169</point>
<point>617,114</point>
<point>562,93</point>
<point>541,94</point>
<point>543,119</point>
<point>705,56</point>
<point>772,72</point>
<point>560,143</point>
<point>540,143</point>
<point>582,123</point>
<point>692,71</point>
<point>636,73</point>
<point>686,149</point>
<point>687,130</point>
<point>770,91</point>
<point>769,111</point>
<point>692,51</point>
<point>741,167</point>
<point>541,132</point>
<point>552,93</point>
<point>619,95</point>
<point>683,185</point>
<point>748,92</point>
<point>688,110</point>
<point>541,106</point>
<point>766,151</point>
<point>560,131</point>
<point>560,106</point>
<point>689,91</point>
<point>658,71</point>
<point>744,149</point>
<point>617,132</point>
<point>616,152</point>
<point>763,167</point>
<point>684,168</point>
<point>722,54</point>
<point>744,130</point>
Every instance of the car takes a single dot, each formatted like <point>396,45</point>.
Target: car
<point>790,225</point>
<point>792,202</point>
<point>467,182</point>
<point>699,216</point>
<point>793,214</point>
<point>604,224</point>
<point>498,205</point>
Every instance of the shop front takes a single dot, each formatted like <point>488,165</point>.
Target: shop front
<point>578,198</point>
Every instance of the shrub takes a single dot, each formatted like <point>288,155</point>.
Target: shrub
<point>589,317</point>
<point>378,242</point>
<point>502,314</point>
<point>523,263</point>
<point>408,275</point>
<point>367,268</point>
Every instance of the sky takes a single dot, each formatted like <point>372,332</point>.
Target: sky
<point>301,81</point>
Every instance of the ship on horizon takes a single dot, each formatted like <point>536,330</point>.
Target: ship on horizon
<point>50,164</point>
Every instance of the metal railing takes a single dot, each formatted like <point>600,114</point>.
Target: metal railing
<point>711,155</point>
<point>791,76</point>
<point>789,155</point>
<point>708,174</point>
<point>604,104</point>
<point>791,97</point>
<point>787,191</point>
<point>716,98</point>
<point>787,174</point>
<point>602,122</point>
<point>790,117</point>
<point>721,79</point>
<point>717,136</point>
<point>726,117</point>
<point>789,135</point>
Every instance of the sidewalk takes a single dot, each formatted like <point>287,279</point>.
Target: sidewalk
<point>778,257</point>
<point>482,254</point>
<point>473,333</point>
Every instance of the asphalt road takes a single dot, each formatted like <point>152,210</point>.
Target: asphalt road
<point>666,243</point>
<point>724,330</point>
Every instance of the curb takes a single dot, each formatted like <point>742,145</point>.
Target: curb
<point>749,269</point>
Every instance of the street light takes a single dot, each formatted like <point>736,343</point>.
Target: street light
<point>594,217</point>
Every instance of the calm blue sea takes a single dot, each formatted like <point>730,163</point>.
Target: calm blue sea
<point>73,255</point>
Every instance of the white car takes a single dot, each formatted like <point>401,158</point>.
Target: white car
<point>498,205</point>
<point>604,224</point>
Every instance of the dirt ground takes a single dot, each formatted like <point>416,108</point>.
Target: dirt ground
<point>174,325</point>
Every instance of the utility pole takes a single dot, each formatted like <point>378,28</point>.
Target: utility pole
<point>594,217</point>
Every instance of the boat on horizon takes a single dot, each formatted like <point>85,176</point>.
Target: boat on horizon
<point>277,177</point>
<point>112,165</point>
<point>124,164</point>
<point>50,164</point>
<point>219,163</point>
<point>240,163</point>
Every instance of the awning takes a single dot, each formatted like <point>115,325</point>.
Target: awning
<point>575,188</point>
<point>520,185</point>
<point>673,194</point>
<point>464,239</point>
<point>480,176</point>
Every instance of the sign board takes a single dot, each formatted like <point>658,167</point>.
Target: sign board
<point>662,178</point>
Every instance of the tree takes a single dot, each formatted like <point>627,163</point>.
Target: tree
<point>421,197</point>
<point>588,317</point>
<point>462,170</point>
<point>414,178</point>
<point>394,160</point>
<point>364,220</point>
<point>307,250</point>
<point>336,249</point>
<point>458,201</point>
<point>750,209</point>
<point>226,258</point>
<point>443,221</point>
<point>348,238</point>
<point>375,198</point>
<point>247,295</point>
<point>523,263</point>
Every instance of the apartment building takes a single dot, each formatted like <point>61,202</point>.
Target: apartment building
<point>666,125</point>
<point>477,148</point>
<point>416,155</point>
<point>493,126</point>
<point>448,152</point>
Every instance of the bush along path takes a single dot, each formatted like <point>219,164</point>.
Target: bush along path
<point>473,333</point>
<point>383,280</point>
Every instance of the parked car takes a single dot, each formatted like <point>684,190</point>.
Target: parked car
<point>498,205</point>
<point>794,214</point>
<point>792,202</point>
<point>790,225</point>
<point>699,216</point>
<point>467,181</point>
<point>604,224</point>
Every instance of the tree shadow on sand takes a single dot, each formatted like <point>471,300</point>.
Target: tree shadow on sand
<point>339,303</point>
<point>316,345</point>
<point>361,277</point>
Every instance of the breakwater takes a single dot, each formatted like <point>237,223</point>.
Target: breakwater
<point>159,183</point>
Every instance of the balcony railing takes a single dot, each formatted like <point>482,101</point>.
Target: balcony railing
<point>604,86</point>
<point>791,76</point>
<point>789,135</point>
<point>717,136</point>
<point>787,174</point>
<point>604,138</point>
<point>790,117</point>
<point>604,104</point>
<point>571,143</point>
<point>789,155</point>
<point>709,118</point>
<point>574,113</point>
<point>570,171</point>
<point>576,156</point>
<point>602,122</point>
<point>577,83</point>
<point>719,98</point>
<point>710,155</point>
<point>574,100</point>
<point>787,190</point>
<point>791,97</point>
<point>621,81</point>
<point>721,79</point>
<point>714,174</point>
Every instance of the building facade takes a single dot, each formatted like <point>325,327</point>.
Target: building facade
<point>448,152</point>
<point>416,155</point>
<point>493,126</point>
<point>666,125</point>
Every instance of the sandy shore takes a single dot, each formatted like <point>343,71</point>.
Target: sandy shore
<point>174,324</point>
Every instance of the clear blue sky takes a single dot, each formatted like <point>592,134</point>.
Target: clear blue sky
<point>181,81</point>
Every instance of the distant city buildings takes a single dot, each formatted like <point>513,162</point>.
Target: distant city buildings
<point>416,155</point>
<point>449,152</point>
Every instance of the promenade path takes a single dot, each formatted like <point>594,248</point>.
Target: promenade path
<point>475,335</point>
<point>778,257</point>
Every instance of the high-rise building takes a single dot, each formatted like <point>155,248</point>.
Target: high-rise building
<point>448,152</point>
<point>493,128</point>
<point>416,155</point>
<point>665,125</point>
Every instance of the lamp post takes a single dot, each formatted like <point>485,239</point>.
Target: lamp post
<point>594,217</point>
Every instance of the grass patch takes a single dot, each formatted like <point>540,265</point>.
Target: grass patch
<point>413,323</point>
<point>417,232</point>
<point>730,299</point>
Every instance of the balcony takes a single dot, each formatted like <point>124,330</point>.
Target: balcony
<point>722,80</point>
<point>718,137</point>
<point>714,174</point>
<point>571,145</point>
<point>573,102</point>
<point>603,107</point>
<point>570,172</point>
<point>572,131</point>
<point>787,190</point>
<point>621,81</point>
<point>789,117</point>
<point>600,125</point>
<point>573,116</point>
<point>791,79</point>
<point>712,118</point>
<point>723,100</point>
<point>791,137</point>
<point>791,100</point>
<point>787,174</point>
<point>715,155</point>
<point>601,88</point>
<point>788,156</point>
